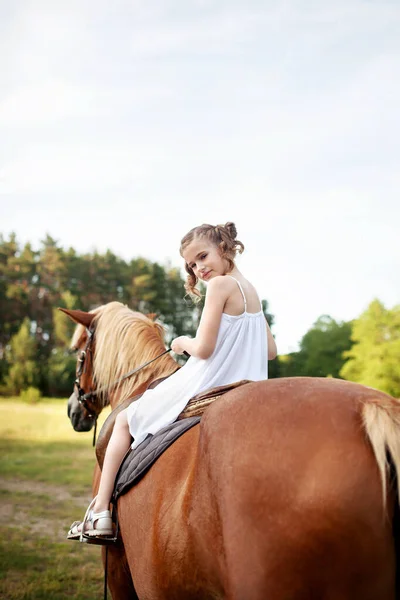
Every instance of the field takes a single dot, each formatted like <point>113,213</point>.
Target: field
<point>45,484</point>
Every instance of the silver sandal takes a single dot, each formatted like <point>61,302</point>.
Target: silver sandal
<point>102,520</point>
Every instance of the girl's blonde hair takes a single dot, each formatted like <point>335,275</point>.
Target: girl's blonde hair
<point>222,236</point>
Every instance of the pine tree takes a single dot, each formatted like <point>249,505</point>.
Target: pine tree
<point>61,363</point>
<point>21,354</point>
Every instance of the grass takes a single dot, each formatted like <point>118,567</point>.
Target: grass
<point>45,484</point>
<point>45,421</point>
<point>60,463</point>
<point>40,569</point>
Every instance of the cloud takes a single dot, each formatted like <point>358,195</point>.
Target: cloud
<point>51,101</point>
<point>46,103</point>
<point>281,116</point>
<point>80,168</point>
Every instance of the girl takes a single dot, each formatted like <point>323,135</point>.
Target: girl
<point>233,342</point>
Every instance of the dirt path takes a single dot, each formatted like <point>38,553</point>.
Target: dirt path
<point>24,512</point>
<point>59,493</point>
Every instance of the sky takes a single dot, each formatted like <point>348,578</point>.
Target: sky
<point>125,124</point>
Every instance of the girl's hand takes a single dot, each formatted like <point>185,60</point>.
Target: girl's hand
<point>176,344</point>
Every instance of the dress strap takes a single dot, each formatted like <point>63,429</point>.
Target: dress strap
<point>241,289</point>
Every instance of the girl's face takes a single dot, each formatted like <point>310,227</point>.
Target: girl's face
<point>205,260</point>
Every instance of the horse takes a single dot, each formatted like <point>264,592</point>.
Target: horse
<point>287,489</point>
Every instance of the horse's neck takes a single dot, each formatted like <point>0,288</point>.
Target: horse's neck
<point>165,368</point>
<point>117,398</point>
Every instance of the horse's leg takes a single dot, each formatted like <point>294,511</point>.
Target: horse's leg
<point>119,576</point>
<point>153,515</point>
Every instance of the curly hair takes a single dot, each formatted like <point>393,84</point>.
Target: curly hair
<point>222,236</point>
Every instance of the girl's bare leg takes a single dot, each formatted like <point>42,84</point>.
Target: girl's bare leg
<point>118,445</point>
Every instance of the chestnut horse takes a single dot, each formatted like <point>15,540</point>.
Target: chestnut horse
<point>281,492</point>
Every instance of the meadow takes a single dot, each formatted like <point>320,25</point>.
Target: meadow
<point>45,484</point>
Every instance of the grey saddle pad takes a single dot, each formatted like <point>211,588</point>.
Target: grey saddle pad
<point>138,461</point>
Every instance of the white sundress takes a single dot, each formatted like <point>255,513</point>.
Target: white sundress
<point>241,352</point>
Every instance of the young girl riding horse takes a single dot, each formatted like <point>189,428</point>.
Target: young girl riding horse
<point>233,342</point>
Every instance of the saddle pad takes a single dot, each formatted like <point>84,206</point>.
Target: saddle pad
<point>138,461</point>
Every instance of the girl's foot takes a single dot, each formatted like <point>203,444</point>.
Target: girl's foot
<point>93,525</point>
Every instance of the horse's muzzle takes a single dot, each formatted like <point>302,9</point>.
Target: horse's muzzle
<point>76,414</point>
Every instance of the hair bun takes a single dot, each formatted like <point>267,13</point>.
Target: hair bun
<point>231,229</point>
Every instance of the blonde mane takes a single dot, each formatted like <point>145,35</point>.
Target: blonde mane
<point>124,340</point>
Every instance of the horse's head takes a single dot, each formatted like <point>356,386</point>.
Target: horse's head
<point>111,341</point>
<point>82,411</point>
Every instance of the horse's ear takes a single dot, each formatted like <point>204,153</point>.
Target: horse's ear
<point>78,316</point>
<point>152,316</point>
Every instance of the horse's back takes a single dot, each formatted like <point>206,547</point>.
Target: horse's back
<point>294,492</point>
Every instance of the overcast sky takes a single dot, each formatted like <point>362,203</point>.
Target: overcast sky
<point>124,124</point>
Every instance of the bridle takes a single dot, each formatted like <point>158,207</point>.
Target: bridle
<point>85,398</point>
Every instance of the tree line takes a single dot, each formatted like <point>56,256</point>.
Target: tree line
<point>35,336</point>
<point>365,350</point>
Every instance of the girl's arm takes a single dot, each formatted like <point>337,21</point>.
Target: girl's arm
<point>272,350</point>
<point>203,345</point>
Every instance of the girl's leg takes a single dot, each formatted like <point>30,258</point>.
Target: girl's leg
<point>118,445</point>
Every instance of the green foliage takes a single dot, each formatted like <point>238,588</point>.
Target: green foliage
<point>34,335</point>
<point>61,364</point>
<point>323,347</point>
<point>291,365</point>
<point>31,395</point>
<point>274,367</point>
<point>374,357</point>
<point>321,350</point>
<point>61,371</point>
<point>35,282</point>
<point>21,355</point>
<point>63,328</point>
